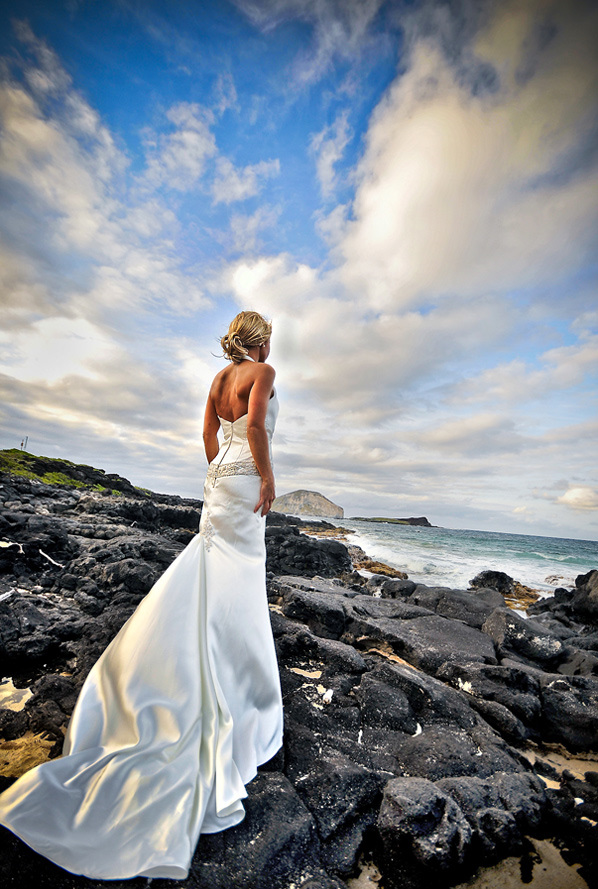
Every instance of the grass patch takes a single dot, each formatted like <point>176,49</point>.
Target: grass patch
<point>54,478</point>
<point>23,464</point>
<point>56,471</point>
<point>47,470</point>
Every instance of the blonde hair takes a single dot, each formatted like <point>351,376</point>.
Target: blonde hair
<point>245,330</point>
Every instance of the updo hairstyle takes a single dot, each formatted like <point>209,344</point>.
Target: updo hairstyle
<point>246,330</point>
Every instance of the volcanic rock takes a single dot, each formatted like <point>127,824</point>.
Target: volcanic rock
<point>407,708</point>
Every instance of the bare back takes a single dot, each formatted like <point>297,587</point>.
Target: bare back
<point>231,388</point>
<point>238,390</point>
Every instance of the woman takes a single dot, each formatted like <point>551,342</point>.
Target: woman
<point>185,702</point>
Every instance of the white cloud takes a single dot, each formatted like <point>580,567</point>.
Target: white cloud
<point>225,93</point>
<point>350,357</point>
<point>479,434</point>
<point>45,160</point>
<point>580,497</point>
<point>358,415</point>
<point>562,368</point>
<point>342,29</point>
<point>65,171</point>
<point>178,159</point>
<point>49,78</point>
<point>331,226</point>
<point>83,271</point>
<point>52,348</point>
<point>586,323</point>
<point>409,368</point>
<point>328,147</point>
<point>141,280</point>
<point>232,184</point>
<point>19,288</point>
<point>460,192</point>
<point>245,229</point>
<point>462,197</point>
<point>149,219</point>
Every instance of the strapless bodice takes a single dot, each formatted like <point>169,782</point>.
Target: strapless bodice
<point>235,446</point>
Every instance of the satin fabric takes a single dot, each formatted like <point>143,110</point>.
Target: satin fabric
<point>177,713</point>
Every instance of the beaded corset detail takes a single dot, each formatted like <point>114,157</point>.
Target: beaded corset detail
<point>238,467</point>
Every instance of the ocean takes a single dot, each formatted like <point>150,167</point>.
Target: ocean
<point>450,557</point>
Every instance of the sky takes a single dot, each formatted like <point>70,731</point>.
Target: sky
<point>408,190</point>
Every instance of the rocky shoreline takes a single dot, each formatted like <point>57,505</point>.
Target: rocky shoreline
<point>422,724</point>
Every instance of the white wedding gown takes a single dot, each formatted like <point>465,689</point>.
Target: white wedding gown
<point>180,709</point>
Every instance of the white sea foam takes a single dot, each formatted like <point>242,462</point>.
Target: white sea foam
<point>446,557</point>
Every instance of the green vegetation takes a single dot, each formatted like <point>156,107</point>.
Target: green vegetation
<point>54,478</point>
<point>49,470</point>
<point>21,463</point>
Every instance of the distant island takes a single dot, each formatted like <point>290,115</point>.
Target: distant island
<point>309,503</point>
<point>418,520</point>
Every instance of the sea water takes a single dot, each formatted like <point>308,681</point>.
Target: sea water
<point>451,558</point>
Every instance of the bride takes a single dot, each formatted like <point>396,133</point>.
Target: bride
<point>184,704</point>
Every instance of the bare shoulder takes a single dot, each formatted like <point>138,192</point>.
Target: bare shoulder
<point>265,372</point>
<point>219,380</point>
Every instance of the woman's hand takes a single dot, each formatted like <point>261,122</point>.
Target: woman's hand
<point>267,495</point>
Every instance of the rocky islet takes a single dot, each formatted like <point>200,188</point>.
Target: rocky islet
<point>308,503</point>
<point>416,718</point>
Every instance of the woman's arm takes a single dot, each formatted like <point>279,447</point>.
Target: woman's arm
<point>257,436</point>
<point>211,425</point>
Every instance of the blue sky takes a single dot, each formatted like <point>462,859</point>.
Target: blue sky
<point>407,189</point>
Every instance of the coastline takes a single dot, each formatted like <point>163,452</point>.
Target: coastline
<point>519,597</point>
<point>403,701</point>
<point>542,865</point>
<point>452,557</point>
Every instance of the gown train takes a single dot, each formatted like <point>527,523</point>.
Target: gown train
<point>180,709</point>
